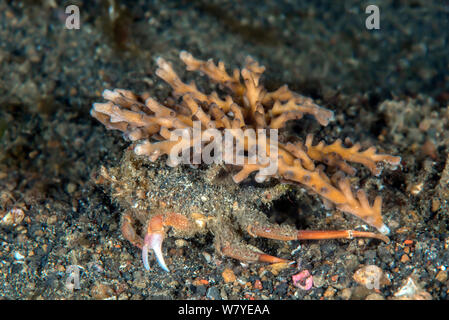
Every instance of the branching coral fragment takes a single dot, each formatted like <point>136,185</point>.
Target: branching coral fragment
<point>246,104</point>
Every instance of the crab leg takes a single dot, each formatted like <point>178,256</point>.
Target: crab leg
<point>128,231</point>
<point>279,233</point>
<point>242,253</point>
<point>228,243</point>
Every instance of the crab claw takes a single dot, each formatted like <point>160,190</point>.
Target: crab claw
<point>153,240</point>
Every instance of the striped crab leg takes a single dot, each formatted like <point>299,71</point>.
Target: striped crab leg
<point>278,233</point>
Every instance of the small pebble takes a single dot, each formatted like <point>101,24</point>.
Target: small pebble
<point>374,296</point>
<point>275,268</point>
<point>318,281</point>
<point>411,291</point>
<point>258,285</point>
<point>207,256</point>
<point>441,276</point>
<point>13,217</point>
<point>370,276</point>
<point>52,219</point>
<point>360,293</point>
<point>201,290</point>
<point>180,243</point>
<point>329,293</point>
<point>71,187</point>
<point>18,256</point>
<point>435,204</point>
<point>101,292</point>
<point>281,289</point>
<point>60,268</point>
<point>213,293</point>
<point>228,275</point>
<point>346,294</point>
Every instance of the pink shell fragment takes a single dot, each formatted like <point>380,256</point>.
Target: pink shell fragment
<point>303,280</point>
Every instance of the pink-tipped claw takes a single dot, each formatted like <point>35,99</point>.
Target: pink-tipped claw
<point>153,241</point>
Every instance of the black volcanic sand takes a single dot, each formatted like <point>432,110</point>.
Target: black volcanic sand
<point>387,87</point>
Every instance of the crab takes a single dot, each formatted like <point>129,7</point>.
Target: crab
<point>185,202</point>
<point>159,200</point>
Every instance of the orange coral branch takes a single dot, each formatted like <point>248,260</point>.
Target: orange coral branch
<point>335,153</point>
